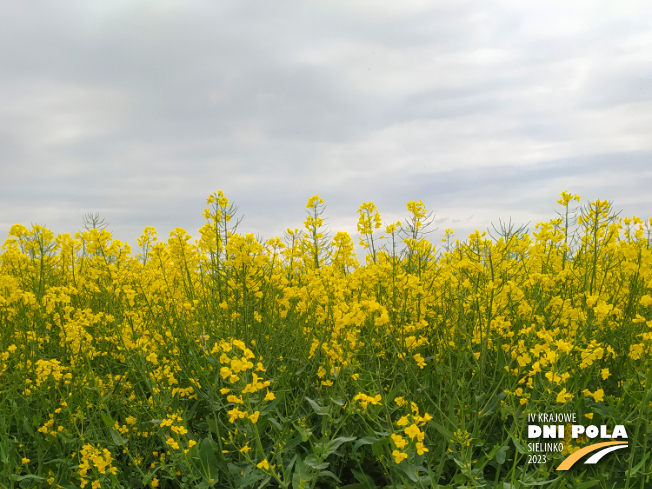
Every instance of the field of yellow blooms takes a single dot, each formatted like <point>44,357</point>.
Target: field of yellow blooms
<point>231,362</point>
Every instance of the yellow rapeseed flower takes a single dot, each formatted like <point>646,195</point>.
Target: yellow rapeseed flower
<point>563,396</point>
<point>421,449</point>
<point>420,360</point>
<point>399,456</point>
<point>412,431</point>
<point>399,441</point>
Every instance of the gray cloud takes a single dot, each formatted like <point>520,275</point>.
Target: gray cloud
<point>482,110</point>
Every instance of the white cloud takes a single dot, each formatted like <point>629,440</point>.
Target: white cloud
<point>482,110</point>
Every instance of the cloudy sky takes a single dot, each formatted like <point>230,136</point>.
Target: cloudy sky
<point>484,110</point>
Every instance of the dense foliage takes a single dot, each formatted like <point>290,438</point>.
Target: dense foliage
<point>231,362</point>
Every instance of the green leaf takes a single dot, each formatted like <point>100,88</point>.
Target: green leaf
<point>501,454</point>
<point>459,479</point>
<point>412,472</point>
<point>602,410</point>
<point>328,473</point>
<point>107,419</point>
<point>29,477</point>
<point>213,426</point>
<point>519,446</point>
<point>297,440</point>
<point>339,402</point>
<point>447,433</point>
<point>543,483</point>
<point>118,440</point>
<point>27,426</point>
<point>587,484</point>
<point>377,447</point>
<point>336,443</point>
<point>305,434</point>
<point>367,440</point>
<point>491,405</point>
<point>275,423</point>
<point>638,466</point>
<point>364,480</point>
<point>265,481</point>
<point>314,462</point>
<point>148,478</point>
<point>250,475</point>
<point>320,411</point>
<point>301,477</point>
<point>270,407</point>
<point>288,469</point>
<point>208,459</point>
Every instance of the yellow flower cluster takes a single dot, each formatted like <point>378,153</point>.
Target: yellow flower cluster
<point>94,458</point>
<point>365,400</point>
<point>170,422</point>
<point>223,337</point>
<point>411,423</point>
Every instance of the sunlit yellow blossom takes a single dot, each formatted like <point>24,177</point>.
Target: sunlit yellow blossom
<point>399,456</point>
<point>365,400</point>
<point>597,396</point>
<point>646,300</point>
<point>563,396</point>
<point>421,449</point>
<point>420,361</point>
<point>412,431</point>
<point>399,441</point>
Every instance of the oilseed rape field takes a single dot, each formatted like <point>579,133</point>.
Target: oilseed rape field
<point>234,362</point>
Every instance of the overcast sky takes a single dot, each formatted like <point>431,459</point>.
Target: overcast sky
<point>483,110</point>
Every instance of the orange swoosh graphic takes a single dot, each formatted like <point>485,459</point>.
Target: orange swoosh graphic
<point>571,459</point>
